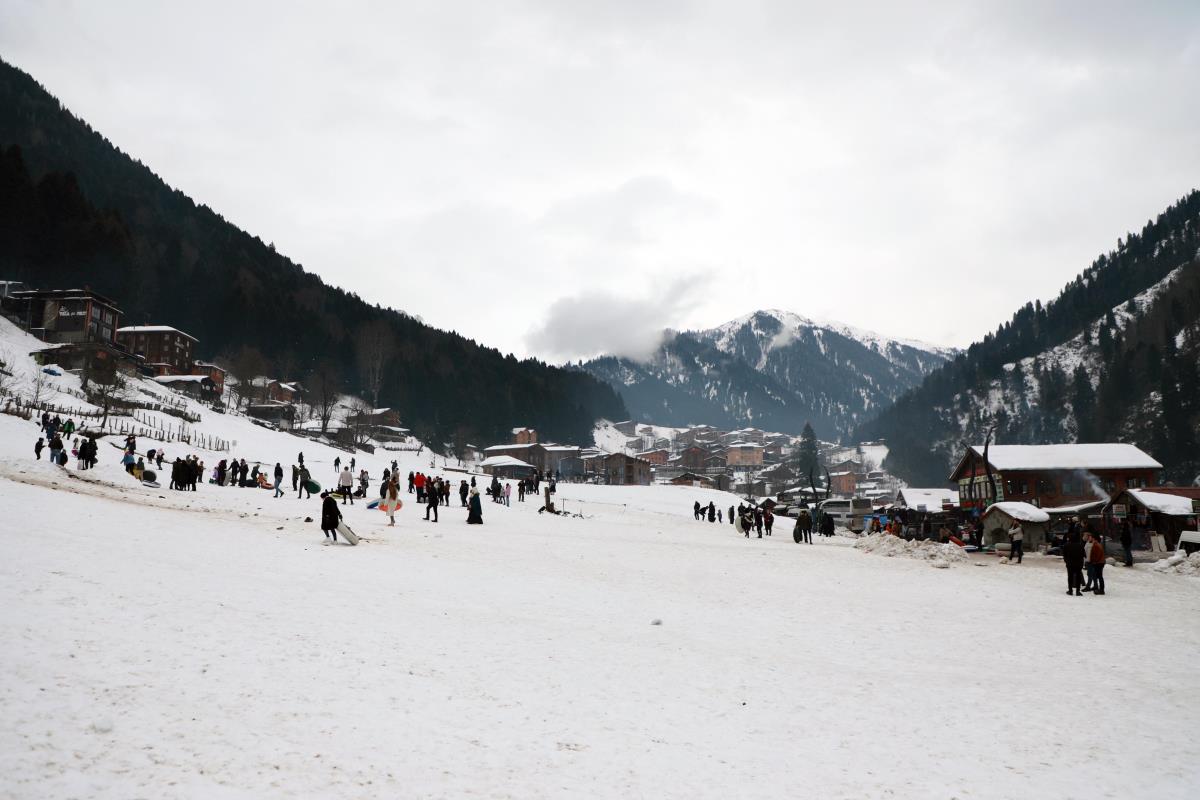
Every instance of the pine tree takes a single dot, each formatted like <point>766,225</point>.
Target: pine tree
<point>807,456</point>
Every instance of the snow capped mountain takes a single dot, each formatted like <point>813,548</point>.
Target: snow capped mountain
<point>773,369</point>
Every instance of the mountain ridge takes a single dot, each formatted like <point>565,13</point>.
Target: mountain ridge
<point>769,368</point>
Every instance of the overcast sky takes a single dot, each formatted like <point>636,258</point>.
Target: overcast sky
<point>563,178</point>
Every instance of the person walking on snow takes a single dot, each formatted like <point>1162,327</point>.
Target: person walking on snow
<point>431,505</point>
<point>475,509</point>
<point>278,480</point>
<point>507,493</point>
<point>392,499</point>
<point>305,477</point>
<point>37,448</point>
<point>768,520</point>
<point>1127,541</point>
<point>463,489</point>
<point>1016,535</point>
<point>331,515</point>
<point>337,463</point>
<point>346,486</point>
<point>696,510</point>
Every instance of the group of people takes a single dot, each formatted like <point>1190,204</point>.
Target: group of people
<point>1083,550</point>
<point>747,518</point>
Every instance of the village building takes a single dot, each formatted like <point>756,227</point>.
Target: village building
<point>657,457</point>
<point>1165,511</point>
<point>627,427</point>
<point>524,436</point>
<point>281,415</point>
<point>625,470</point>
<point>213,372</point>
<point>693,479</point>
<point>744,454</point>
<point>506,466</point>
<point>197,387</point>
<point>79,324</point>
<point>843,483</point>
<point>272,389</point>
<point>530,453</point>
<point>692,458</point>
<point>553,457</point>
<point>930,500</point>
<point>166,350</point>
<point>1052,474</point>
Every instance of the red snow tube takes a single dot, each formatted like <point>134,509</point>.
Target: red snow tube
<point>957,541</point>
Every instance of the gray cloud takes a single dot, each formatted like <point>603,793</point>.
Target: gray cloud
<point>630,323</point>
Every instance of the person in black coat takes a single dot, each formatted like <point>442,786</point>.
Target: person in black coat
<point>758,521</point>
<point>1127,541</point>
<point>827,525</point>
<point>331,515</point>
<point>431,504</point>
<point>712,511</point>
<point>1072,553</point>
<point>475,509</point>
<point>463,489</point>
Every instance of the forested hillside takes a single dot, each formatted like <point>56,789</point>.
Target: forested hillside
<point>78,211</point>
<point>1113,358</point>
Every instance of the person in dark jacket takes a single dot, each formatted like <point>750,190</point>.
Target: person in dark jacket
<point>732,521</point>
<point>37,448</point>
<point>1072,553</point>
<point>463,489</point>
<point>1127,541</point>
<point>827,525</point>
<point>305,477</point>
<point>758,521</point>
<point>475,509</point>
<point>331,515</point>
<point>712,512</point>
<point>803,527</point>
<point>696,510</point>
<point>768,520</point>
<point>278,479</point>
<point>295,477</point>
<point>1095,564</point>
<point>431,505</point>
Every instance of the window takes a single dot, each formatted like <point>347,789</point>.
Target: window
<point>1135,483</point>
<point>1069,487</point>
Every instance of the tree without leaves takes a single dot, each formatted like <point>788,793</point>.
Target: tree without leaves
<point>375,348</point>
<point>246,365</point>
<point>325,384</point>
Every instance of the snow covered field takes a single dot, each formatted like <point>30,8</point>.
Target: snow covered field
<point>206,645</point>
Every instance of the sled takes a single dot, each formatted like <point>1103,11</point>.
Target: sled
<point>312,487</point>
<point>797,535</point>
<point>347,534</point>
<point>374,504</point>
<point>151,484</point>
<point>149,476</point>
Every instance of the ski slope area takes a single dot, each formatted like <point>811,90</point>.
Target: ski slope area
<point>207,645</point>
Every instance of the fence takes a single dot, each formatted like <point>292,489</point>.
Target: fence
<point>146,427</point>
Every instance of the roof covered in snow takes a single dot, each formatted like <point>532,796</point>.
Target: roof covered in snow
<point>182,378</point>
<point>155,329</point>
<point>930,498</point>
<point>1067,456</point>
<point>500,448</point>
<point>504,461</point>
<point>1162,503</point>
<point>1025,512</point>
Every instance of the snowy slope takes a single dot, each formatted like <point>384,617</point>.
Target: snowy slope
<point>204,645</point>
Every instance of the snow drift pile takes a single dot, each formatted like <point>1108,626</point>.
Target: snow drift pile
<point>1180,564</point>
<point>938,555</point>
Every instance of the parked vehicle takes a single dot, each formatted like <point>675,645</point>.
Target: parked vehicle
<point>849,513</point>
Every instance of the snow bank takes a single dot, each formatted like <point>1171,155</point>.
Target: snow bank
<point>1180,564</point>
<point>938,555</point>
